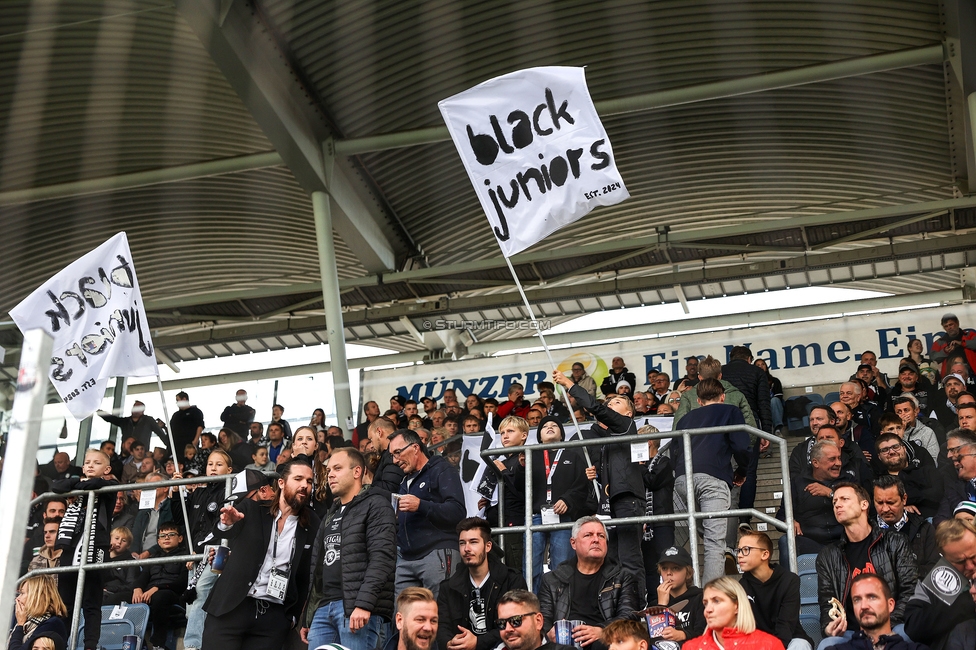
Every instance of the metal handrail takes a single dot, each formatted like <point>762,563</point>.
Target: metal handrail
<point>691,516</point>
<point>88,537</point>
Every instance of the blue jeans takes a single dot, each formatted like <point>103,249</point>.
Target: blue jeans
<point>559,550</point>
<point>776,406</point>
<point>195,616</point>
<point>331,625</point>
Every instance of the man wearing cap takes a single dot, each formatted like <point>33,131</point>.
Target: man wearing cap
<point>876,380</point>
<point>955,343</point>
<point>138,425</point>
<point>187,424</point>
<point>238,416</point>
<point>587,587</point>
<point>943,401</point>
<point>397,402</point>
<point>909,383</point>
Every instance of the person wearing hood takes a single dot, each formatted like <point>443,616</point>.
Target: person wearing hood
<point>560,494</point>
<point>588,587</point>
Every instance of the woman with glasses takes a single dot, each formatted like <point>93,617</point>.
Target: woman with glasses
<point>730,621</point>
<point>38,611</point>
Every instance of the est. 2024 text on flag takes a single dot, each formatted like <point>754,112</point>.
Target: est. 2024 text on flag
<point>94,312</point>
<point>535,150</point>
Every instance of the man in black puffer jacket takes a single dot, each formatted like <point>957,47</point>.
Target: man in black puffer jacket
<point>353,561</point>
<point>588,588</point>
<point>862,549</point>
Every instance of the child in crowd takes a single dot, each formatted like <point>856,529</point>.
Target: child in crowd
<point>773,591</point>
<point>161,585</point>
<point>117,584</point>
<point>513,432</point>
<point>626,635</point>
<point>678,593</point>
<point>97,473</point>
<point>261,461</point>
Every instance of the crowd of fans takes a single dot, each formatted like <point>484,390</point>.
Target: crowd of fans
<point>366,541</point>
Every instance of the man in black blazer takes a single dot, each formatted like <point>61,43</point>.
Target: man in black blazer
<point>265,581</point>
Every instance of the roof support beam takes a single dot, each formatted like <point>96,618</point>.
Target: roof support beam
<point>960,32</point>
<point>258,71</point>
<point>648,330</point>
<point>931,251</point>
<point>928,55</point>
<point>672,238</point>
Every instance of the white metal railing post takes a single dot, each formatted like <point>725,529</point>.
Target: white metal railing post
<point>690,503</point>
<point>16,483</point>
<point>784,467</point>
<point>527,551</point>
<point>86,546</point>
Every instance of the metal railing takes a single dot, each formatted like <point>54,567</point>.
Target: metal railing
<point>690,517</point>
<point>88,536</point>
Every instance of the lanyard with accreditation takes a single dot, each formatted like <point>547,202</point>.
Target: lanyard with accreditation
<point>549,515</point>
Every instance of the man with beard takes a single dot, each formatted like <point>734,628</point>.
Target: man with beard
<point>909,383</point>
<point>416,621</point>
<point>353,561</point>
<point>873,605</point>
<point>521,623</point>
<point>467,602</point>
<point>265,579</point>
<point>923,484</point>
<point>943,402</point>
<point>862,549</point>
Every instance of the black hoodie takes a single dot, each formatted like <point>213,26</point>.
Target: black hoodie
<point>776,604</point>
<point>691,618</point>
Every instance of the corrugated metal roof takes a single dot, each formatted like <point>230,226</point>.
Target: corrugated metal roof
<point>95,89</point>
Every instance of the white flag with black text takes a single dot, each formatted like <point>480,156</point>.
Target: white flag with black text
<point>94,312</point>
<point>535,150</point>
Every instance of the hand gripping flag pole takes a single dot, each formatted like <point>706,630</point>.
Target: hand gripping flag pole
<point>545,346</point>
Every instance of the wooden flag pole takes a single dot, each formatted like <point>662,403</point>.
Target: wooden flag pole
<point>552,364</point>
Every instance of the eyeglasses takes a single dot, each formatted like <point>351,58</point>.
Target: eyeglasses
<point>887,451</point>
<point>396,454</point>
<point>167,535</point>
<point>744,551</point>
<point>950,451</point>
<point>516,621</point>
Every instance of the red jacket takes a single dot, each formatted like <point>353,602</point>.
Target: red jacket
<point>939,355</point>
<point>508,407</point>
<point>732,638</point>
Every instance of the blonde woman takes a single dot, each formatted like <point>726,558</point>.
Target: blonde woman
<point>731,624</point>
<point>39,611</point>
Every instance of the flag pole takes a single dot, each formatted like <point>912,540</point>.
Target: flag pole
<point>545,346</point>
<point>172,447</point>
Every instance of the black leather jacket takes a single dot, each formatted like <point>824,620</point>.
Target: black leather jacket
<point>893,559</point>
<point>618,596</point>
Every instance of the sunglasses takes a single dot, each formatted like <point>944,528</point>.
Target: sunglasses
<point>515,621</point>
